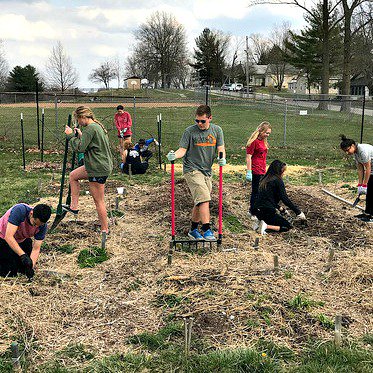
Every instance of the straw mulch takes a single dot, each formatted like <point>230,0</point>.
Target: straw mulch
<point>232,292</point>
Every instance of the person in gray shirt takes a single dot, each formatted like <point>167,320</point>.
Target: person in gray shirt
<point>199,147</point>
<point>363,154</point>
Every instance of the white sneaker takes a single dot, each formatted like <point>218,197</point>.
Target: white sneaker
<point>262,227</point>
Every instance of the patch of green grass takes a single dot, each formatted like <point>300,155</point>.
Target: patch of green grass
<point>6,362</point>
<point>134,285</point>
<point>92,256</point>
<point>232,223</point>
<point>368,339</point>
<point>275,351</point>
<point>325,321</point>
<point>64,248</point>
<point>159,340</point>
<point>117,213</point>
<point>288,275</point>
<point>169,300</point>
<point>76,352</point>
<point>300,301</point>
<point>329,358</point>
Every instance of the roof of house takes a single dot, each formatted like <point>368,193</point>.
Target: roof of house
<point>260,69</point>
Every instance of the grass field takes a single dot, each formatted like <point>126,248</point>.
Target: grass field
<point>77,302</point>
<point>310,140</point>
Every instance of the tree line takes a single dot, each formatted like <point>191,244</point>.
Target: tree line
<point>336,41</point>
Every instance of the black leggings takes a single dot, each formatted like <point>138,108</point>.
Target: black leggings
<point>271,217</point>
<point>254,191</point>
<point>10,264</point>
<point>369,200</point>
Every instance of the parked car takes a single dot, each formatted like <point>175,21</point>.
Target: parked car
<point>225,87</point>
<point>236,87</point>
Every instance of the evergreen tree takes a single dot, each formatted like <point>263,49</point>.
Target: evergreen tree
<point>23,79</point>
<point>210,56</point>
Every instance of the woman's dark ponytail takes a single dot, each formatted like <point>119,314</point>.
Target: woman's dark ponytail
<point>346,143</point>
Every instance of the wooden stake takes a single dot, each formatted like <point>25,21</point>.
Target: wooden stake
<point>330,259</point>
<point>338,330</point>
<point>320,177</point>
<point>188,322</point>
<point>169,256</point>
<point>103,240</point>
<point>275,264</point>
<point>15,356</point>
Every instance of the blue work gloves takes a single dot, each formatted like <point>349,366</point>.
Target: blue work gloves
<point>222,162</point>
<point>249,175</point>
<point>171,156</point>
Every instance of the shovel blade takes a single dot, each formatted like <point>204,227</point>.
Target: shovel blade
<point>57,220</point>
<point>356,201</point>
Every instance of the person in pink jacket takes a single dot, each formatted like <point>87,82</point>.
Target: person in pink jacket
<point>123,123</point>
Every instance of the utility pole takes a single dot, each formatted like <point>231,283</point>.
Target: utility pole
<point>247,66</point>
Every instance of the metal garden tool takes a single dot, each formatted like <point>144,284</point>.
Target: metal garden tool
<point>60,213</point>
<point>180,243</point>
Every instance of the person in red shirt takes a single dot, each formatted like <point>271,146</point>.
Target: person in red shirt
<point>123,123</point>
<point>256,159</point>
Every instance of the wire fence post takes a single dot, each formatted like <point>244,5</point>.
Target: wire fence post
<point>285,113</point>
<point>56,111</point>
<point>207,95</point>
<point>42,136</point>
<point>23,143</point>
<point>134,116</point>
<point>362,120</point>
<point>159,126</point>
<point>37,109</point>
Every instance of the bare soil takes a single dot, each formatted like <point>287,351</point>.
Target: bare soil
<point>232,291</point>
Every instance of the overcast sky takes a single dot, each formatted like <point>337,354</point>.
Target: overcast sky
<point>94,31</point>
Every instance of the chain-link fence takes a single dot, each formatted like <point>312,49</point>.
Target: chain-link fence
<point>305,127</point>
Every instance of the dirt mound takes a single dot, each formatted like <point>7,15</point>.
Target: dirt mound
<point>233,292</point>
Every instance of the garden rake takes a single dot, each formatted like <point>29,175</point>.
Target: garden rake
<point>190,244</point>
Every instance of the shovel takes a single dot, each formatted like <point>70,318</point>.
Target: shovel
<point>357,200</point>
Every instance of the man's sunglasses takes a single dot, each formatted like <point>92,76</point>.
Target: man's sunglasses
<point>203,121</point>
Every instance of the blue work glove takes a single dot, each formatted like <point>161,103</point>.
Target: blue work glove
<point>249,175</point>
<point>222,161</point>
<point>171,156</point>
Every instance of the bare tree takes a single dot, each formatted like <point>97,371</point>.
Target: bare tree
<point>259,48</point>
<point>117,69</point>
<point>235,51</point>
<point>362,55</point>
<point>4,67</point>
<point>103,74</point>
<point>349,8</point>
<point>162,43</point>
<point>61,74</point>
<point>328,8</point>
<point>277,55</point>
